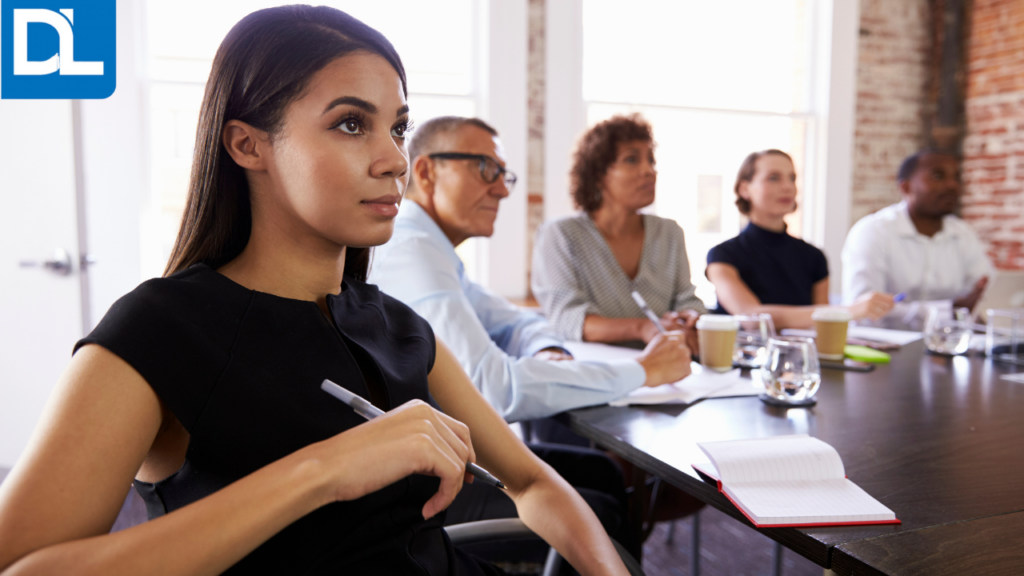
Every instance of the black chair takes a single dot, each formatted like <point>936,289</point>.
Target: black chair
<point>511,529</point>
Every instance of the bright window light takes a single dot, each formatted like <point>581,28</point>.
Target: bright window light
<point>715,87</point>
<point>437,41</point>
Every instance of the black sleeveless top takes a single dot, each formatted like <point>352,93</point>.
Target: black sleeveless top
<point>241,370</point>
<point>778,268</point>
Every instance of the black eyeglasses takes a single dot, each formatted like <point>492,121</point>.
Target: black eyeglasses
<point>490,170</point>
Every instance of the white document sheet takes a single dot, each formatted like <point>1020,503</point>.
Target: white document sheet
<point>701,384</point>
<point>900,337</point>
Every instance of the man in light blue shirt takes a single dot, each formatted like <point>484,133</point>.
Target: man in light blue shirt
<point>514,358</point>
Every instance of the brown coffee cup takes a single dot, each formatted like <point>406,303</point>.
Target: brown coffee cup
<point>831,325</point>
<point>717,336</point>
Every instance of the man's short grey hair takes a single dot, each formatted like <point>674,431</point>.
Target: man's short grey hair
<point>426,136</point>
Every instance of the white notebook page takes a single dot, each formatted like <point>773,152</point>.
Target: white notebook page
<point>791,480</point>
<point>807,502</point>
<point>797,457</point>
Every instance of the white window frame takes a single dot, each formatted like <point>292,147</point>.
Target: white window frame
<point>500,92</point>
<point>826,199</point>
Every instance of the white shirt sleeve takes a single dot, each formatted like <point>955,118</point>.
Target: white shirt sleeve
<point>523,388</point>
<point>974,254</point>
<point>520,388</point>
<point>864,261</point>
<point>517,332</point>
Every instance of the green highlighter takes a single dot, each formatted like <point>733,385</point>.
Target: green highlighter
<point>865,354</point>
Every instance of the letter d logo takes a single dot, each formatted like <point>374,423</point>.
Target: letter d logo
<point>58,49</point>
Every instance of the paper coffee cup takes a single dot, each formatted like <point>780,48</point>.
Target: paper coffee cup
<point>717,336</point>
<point>831,325</point>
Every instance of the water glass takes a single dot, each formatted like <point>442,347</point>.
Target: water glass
<point>791,372</point>
<point>1004,335</point>
<point>948,331</point>
<point>752,340</point>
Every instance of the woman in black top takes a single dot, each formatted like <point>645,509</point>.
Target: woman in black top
<point>764,269</point>
<point>204,385</point>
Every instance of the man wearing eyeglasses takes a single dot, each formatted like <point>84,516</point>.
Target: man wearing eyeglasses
<point>458,179</point>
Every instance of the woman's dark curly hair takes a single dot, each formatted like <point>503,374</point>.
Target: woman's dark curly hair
<point>596,151</point>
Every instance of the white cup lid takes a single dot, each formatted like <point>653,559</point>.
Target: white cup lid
<point>717,322</point>
<point>832,315</point>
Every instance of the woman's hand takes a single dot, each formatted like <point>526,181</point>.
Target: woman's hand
<point>666,359</point>
<point>686,322</point>
<point>411,439</point>
<point>873,305</point>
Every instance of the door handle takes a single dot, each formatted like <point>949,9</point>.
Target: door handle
<point>59,263</point>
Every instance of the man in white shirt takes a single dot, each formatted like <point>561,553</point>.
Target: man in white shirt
<point>457,181</point>
<point>918,247</point>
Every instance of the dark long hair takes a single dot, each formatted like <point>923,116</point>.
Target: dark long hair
<point>264,63</point>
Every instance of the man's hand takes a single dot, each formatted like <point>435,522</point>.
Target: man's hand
<point>666,359</point>
<point>873,306</point>
<point>970,299</point>
<point>552,354</point>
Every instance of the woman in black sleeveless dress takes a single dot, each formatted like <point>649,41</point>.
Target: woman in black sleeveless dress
<point>204,385</point>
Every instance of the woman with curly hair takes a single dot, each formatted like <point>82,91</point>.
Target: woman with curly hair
<point>585,267</point>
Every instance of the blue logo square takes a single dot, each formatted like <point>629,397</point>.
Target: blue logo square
<point>58,49</point>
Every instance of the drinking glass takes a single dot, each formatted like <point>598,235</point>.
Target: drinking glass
<point>948,331</point>
<point>791,372</point>
<point>752,340</point>
<point>1004,335</point>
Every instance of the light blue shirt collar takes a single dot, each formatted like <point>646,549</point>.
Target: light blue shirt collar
<point>412,217</point>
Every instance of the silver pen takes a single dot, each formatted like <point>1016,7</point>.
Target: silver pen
<point>369,411</point>
<point>648,312</point>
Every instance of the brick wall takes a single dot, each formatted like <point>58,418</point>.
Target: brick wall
<point>893,83</point>
<point>993,146</point>
<point>536,74</point>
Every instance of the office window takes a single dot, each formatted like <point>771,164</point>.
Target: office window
<point>438,42</point>
<point>717,80</point>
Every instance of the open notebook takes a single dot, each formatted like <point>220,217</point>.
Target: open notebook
<point>790,481</point>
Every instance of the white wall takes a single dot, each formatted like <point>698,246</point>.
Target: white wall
<point>565,116</point>
<point>839,21</point>
<point>503,104</point>
<point>114,168</point>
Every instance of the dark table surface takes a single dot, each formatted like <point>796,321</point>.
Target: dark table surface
<point>990,546</point>
<point>938,440</point>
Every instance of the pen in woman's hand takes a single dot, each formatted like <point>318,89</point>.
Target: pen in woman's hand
<point>369,411</point>
<point>648,312</point>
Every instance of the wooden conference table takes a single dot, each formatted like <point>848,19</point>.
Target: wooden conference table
<point>938,440</point>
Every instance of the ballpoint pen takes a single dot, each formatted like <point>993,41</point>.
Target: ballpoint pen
<point>648,312</point>
<point>369,411</point>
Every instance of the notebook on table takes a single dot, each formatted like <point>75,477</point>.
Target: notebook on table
<point>787,481</point>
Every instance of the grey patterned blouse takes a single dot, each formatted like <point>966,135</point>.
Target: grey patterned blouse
<point>576,274</point>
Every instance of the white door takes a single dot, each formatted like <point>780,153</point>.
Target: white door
<point>40,308</point>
